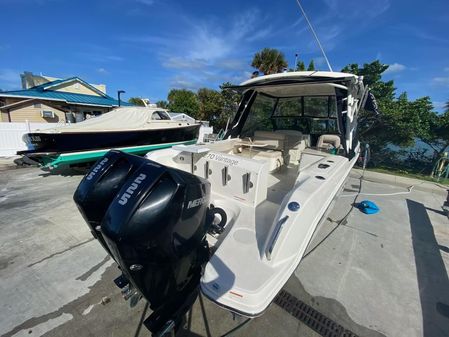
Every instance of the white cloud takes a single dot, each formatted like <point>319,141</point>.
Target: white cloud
<point>446,69</point>
<point>439,105</point>
<point>357,8</point>
<point>102,71</point>
<point>232,64</point>
<point>146,2</point>
<point>209,51</point>
<point>441,81</point>
<point>395,68</point>
<point>184,63</point>
<point>184,82</point>
<point>114,58</point>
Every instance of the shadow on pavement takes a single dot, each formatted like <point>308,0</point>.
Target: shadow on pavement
<point>433,281</point>
<point>64,171</point>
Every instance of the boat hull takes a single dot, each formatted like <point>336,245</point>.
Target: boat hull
<point>45,148</point>
<point>246,278</point>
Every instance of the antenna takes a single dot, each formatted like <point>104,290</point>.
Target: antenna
<point>314,34</point>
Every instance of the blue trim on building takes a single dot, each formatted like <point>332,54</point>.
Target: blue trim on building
<point>40,92</point>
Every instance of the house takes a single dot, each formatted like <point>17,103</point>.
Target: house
<point>53,100</point>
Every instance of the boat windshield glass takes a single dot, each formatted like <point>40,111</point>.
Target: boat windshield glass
<point>308,114</point>
<point>160,115</point>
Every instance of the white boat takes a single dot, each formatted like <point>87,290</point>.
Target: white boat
<point>135,130</point>
<point>252,200</point>
<point>284,159</point>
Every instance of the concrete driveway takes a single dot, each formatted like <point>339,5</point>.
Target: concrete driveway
<point>376,275</point>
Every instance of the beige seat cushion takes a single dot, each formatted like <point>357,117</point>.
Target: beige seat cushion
<point>329,141</point>
<point>274,158</point>
<point>275,141</point>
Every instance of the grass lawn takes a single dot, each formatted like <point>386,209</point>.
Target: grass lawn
<point>402,173</point>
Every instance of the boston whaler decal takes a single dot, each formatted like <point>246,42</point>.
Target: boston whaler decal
<point>131,189</point>
<point>97,168</point>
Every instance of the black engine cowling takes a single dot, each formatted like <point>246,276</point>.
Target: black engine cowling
<point>100,185</point>
<point>154,226</point>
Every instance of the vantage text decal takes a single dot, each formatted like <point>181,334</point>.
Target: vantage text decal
<point>223,159</point>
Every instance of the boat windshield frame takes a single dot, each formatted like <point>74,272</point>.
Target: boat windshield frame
<point>242,116</point>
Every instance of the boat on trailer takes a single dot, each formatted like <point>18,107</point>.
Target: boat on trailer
<point>232,217</point>
<point>135,130</point>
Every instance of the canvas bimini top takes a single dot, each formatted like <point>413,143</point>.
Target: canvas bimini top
<point>300,76</point>
<point>123,119</point>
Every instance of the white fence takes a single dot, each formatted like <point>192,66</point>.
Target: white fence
<point>11,136</point>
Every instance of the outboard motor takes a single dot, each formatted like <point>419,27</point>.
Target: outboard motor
<point>99,187</point>
<point>155,228</point>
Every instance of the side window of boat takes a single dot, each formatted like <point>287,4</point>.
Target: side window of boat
<point>259,116</point>
<point>160,115</point>
<point>320,106</point>
<point>289,107</point>
<point>323,126</point>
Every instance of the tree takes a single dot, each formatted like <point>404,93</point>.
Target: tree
<point>136,101</point>
<point>300,66</point>
<point>269,61</point>
<point>432,128</point>
<point>311,66</point>
<point>372,76</point>
<point>210,104</point>
<point>231,101</point>
<point>402,122</point>
<point>162,104</point>
<point>182,100</point>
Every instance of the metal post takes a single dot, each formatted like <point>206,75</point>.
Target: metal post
<point>119,92</point>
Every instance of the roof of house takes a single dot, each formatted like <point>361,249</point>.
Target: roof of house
<point>44,91</point>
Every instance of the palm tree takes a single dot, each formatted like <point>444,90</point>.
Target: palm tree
<point>269,61</point>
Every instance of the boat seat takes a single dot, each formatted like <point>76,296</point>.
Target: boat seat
<point>295,143</point>
<point>274,159</point>
<point>274,141</point>
<point>329,141</point>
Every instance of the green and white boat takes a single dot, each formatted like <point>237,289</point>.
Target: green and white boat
<point>136,130</point>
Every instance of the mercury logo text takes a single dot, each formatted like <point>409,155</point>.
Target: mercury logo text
<point>196,202</point>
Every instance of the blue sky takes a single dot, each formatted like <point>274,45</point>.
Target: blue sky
<point>147,47</point>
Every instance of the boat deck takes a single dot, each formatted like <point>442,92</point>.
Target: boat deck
<point>375,275</point>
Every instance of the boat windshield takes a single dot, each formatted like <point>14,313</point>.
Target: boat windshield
<point>308,114</point>
<point>160,115</point>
